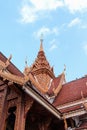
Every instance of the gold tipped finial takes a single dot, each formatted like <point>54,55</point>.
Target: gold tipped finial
<point>41,40</point>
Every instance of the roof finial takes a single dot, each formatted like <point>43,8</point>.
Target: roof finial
<point>41,40</point>
<point>64,67</point>
<point>26,62</point>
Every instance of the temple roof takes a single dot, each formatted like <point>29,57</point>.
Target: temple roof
<point>66,97</point>
<point>72,91</point>
<point>41,64</point>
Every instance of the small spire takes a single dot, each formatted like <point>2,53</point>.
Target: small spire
<point>41,41</point>
<point>41,38</point>
<point>64,67</point>
<point>41,47</point>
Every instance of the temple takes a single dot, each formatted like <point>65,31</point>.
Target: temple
<point>38,100</point>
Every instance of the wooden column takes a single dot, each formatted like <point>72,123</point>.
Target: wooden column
<point>65,124</point>
<point>18,115</point>
<point>3,109</point>
<point>24,105</point>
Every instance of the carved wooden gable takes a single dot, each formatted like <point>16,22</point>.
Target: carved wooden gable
<point>41,69</point>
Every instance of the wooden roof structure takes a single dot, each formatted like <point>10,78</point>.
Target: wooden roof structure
<point>62,99</point>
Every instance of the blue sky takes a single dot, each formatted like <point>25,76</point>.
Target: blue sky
<point>63,24</point>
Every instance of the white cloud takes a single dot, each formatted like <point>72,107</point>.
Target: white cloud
<point>28,15</point>
<point>84,26</point>
<point>85,48</point>
<point>55,31</point>
<point>46,4</point>
<point>77,22</point>
<point>31,9</point>
<point>74,22</point>
<point>76,5</point>
<point>53,45</point>
<point>46,31</point>
<point>52,41</point>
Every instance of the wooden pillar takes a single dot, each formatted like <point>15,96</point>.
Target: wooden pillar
<point>18,122</point>
<point>65,123</point>
<point>72,123</point>
<point>24,105</point>
<point>3,109</point>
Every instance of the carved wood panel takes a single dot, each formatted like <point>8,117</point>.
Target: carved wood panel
<point>12,94</point>
<point>43,79</point>
<point>27,104</point>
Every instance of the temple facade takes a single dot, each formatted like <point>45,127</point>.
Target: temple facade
<point>38,100</point>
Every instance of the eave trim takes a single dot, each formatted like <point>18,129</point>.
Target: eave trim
<point>34,94</point>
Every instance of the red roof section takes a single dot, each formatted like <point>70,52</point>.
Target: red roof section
<point>71,91</point>
<point>54,85</point>
<point>11,68</point>
<point>72,108</point>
